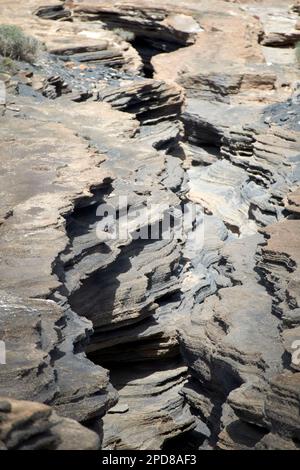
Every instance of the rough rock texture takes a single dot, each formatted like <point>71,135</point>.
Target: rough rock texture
<point>33,426</point>
<point>78,286</point>
<point>240,352</point>
<point>161,25</point>
<point>148,397</point>
<point>194,336</point>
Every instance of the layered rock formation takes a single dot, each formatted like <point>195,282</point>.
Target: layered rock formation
<point>33,426</point>
<point>192,336</point>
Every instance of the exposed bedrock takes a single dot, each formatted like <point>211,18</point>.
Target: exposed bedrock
<point>161,25</point>
<point>128,341</point>
<point>33,426</point>
<point>84,286</point>
<point>108,288</point>
<point>150,28</point>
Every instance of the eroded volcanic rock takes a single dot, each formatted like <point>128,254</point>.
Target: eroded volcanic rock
<point>128,341</point>
<point>33,426</point>
<point>160,25</point>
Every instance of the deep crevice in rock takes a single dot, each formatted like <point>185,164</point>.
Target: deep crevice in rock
<point>228,303</point>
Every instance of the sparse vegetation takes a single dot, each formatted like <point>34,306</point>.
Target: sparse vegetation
<point>7,65</point>
<point>297,52</point>
<point>16,45</point>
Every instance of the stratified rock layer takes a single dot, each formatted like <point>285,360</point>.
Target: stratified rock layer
<point>133,104</point>
<point>33,426</point>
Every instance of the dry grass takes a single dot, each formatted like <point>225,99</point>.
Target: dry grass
<point>7,65</point>
<point>17,45</point>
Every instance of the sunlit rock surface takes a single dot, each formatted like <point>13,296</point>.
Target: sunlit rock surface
<point>130,342</point>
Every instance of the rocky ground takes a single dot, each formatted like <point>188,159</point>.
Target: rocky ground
<point>137,343</point>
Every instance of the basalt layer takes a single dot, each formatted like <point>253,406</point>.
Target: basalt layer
<point>130,341</point>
